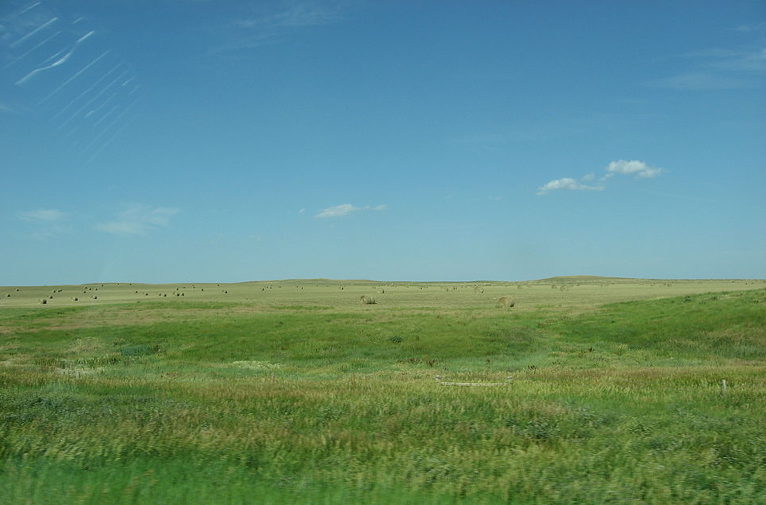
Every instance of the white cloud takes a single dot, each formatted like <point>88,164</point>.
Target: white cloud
<point>717,69</point>
<point>345,209</point>
<point>138,220</point>
<point>700,81</point>
<point>742,61</point>
<point>751,28</point>
<point>42,215</point>
<point>566,183</point>
<point>638,169</point>
<point>338,210</point>
<point>297,15</point>
<point>47,223</point>
<point>632,167</point>
<point>264,24</point>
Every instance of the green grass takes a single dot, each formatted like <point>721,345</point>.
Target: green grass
<point>295,392</point>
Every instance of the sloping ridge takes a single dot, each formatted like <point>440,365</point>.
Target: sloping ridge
<point>584,278</point>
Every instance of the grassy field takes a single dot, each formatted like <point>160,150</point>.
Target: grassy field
<point>586,390</point>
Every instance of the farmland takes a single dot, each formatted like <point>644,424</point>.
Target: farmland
<point>580,390</point>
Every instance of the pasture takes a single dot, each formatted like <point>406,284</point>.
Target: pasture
<point>566,390</point>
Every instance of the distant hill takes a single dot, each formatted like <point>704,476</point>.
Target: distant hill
<point>571,278</point>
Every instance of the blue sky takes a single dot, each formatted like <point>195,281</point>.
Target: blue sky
<point>180,140</point>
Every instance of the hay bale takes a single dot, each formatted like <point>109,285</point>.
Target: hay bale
<point>505,302</point>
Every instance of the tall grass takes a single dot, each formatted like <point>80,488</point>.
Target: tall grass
<point>621,404</point>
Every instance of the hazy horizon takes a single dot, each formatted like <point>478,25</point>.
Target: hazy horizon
<point>414,281</point>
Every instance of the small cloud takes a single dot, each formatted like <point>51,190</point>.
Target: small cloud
<point>632,167</point>
<point>345,209</point>
<point>47,223</point>
<point>700,81</point>
<point>302,211</point>
<point>338,210</point>
<point>566,183</point>
<point>751,28</point>
<point>297,15</point>
<point>139,220</point>
<point>42,215</point>
<point>267,25</point>
<point>717,69</point>
<point>743,61</point>
<point>638,169</point>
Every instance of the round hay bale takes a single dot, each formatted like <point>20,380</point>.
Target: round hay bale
<point>505,302</point>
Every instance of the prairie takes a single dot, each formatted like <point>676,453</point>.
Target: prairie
<point>590,390</point>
